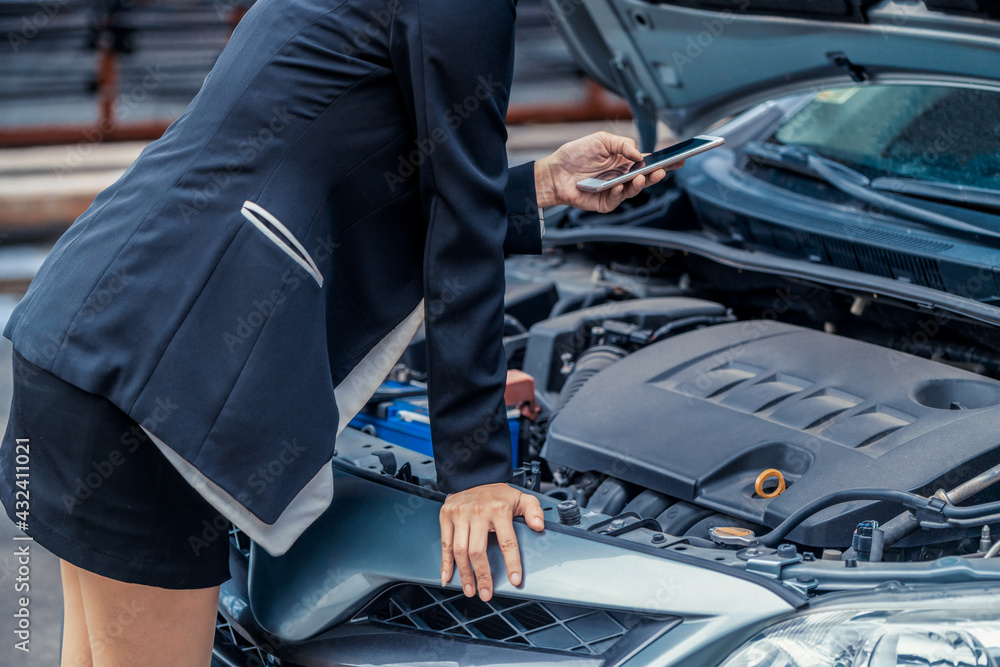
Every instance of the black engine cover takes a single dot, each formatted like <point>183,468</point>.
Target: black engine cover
<point>701,415</point>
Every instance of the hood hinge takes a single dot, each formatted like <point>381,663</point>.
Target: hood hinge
<point>840,59</point>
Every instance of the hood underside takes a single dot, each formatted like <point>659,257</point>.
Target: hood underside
<point>692,62</point>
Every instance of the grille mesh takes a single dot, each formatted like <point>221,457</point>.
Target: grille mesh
<point>819,225</point>
<point>846,255</point>
<point>225,636</point>
<point>875,251</point>
<point>541,625</point>
<point>239,540</point>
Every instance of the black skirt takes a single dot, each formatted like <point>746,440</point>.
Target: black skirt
<point>81,478</point>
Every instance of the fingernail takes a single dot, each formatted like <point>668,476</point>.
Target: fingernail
<point>484,593</point>
<point>469,590</point>
<point>515,578</point>
<point>444,579</point>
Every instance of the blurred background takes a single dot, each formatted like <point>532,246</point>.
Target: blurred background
<point>86,84</point>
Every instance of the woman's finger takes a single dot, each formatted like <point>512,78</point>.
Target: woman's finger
<point>655,177</point>
<point>507,539</point>
<point>461,551</point>
<point>635,186</point>
<point>529,507</point>
<point>620,145</point>
<point>447,556</point>
<point>479,532</point>
<point>614,197</point>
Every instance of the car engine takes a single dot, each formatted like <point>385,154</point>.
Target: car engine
<point>670,410</point>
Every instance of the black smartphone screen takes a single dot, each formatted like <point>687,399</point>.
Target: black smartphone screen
<point>669,152</point>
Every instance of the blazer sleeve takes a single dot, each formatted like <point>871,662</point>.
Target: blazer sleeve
<point>524,224</point>
<point>454,64</point>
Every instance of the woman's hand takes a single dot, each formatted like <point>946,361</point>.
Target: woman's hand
<point>467,519</point>
<point>601,155</point>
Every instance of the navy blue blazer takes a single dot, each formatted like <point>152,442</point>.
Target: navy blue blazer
<point>245,286</point>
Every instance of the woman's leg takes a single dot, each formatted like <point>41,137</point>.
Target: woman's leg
<point>130,624</point>
<point>75,641</point>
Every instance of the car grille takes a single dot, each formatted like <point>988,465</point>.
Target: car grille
<point>239,540</point>
<point>232,650</point>
<point>542,625</point>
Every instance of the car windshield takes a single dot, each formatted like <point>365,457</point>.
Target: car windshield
<point>932,133</point>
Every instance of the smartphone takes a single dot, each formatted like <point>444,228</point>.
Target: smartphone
<point>654,161</point>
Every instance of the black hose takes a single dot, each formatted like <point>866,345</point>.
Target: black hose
<point>972,511</point>
<point>899,527</point>
<point>691,321</point>
<point>974,515</point>
<point>513,323</point>
<point>906,523</point>
<point>807,510</point>
<point>592,361</point>
<point>986,519</point>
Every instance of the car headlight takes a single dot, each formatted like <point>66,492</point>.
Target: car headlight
<point>872,637</point>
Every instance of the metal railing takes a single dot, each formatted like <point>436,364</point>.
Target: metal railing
<point>105,70</point>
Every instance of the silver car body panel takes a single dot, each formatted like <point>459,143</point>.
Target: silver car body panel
<point>376,535</point>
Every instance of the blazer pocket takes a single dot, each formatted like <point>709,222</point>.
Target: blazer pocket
<point>280,235</point>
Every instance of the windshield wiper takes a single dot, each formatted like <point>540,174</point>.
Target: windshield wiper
<point>806,161</point>
<point>963,195</point>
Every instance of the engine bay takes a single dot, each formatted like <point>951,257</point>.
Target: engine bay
<point>678,415</point>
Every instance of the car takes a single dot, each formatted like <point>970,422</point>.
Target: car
<point>759,403</point>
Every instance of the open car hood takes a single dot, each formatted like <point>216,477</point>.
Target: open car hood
<point>692,62</point>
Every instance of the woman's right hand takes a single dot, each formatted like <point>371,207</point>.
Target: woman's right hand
<point>468,517</point>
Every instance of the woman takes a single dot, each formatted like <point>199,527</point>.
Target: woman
<point>236,297</point>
